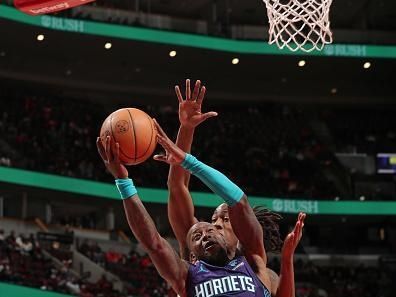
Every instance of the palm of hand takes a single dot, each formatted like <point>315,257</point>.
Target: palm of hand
<point>291,242</point>
<point>294,237</point>
<point>110,155</point>
<point>289,245</point>
<point>190,113</point>
<point>172,159</point>
<point>173,154</point>
<point>115,167</point>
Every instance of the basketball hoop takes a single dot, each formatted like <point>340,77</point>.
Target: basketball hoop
<point>299,24</point>
<point>37,7</point>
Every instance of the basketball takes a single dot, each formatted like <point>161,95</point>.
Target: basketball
<point>134,130</point>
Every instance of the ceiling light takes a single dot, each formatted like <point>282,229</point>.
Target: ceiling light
<point>172,54</point>
<point>235,61</point>
<point>366,65</point>
<point>301,63</point>
<point>108,45</point>
<point>40,37</point>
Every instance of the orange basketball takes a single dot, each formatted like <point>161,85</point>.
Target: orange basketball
<point>134,130</point>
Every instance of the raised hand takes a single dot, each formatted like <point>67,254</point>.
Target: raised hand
<point>190,107</point>
<point>293,238</point>
<point>110,155</point>
<point>173,154</point>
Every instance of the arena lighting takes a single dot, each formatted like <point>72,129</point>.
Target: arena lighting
<point>40,37</point>
<point>108,45</point>
<point>366,65</point>
<point>172,54</point>
<point>301,63</point>
<point>235,61</point>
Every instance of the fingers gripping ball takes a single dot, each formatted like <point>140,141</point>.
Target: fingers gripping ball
<point>134,130</point>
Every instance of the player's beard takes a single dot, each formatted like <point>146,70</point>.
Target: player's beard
<point>219,257</point>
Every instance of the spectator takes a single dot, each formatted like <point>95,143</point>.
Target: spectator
<point>32,269</point>
<point>113,257</point>
<point>296,161</point>
<point>10,239</point>
<point>2,236</point>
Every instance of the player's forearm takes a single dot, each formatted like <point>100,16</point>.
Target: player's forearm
<point>138,218</point>
<point>286,286</point>
<point>180,205</point>
<point>164,258</point>
<point>185,138</point>
<point>177,176</point>
<point>141,223</point>
<point>247,229</point>
<point>214,179</point>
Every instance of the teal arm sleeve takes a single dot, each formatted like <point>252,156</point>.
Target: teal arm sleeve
<point>214,179</point>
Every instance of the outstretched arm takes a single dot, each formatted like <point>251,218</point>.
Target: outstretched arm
<point>180,204</point>
<point>286,286</point>
<point>165,259</point>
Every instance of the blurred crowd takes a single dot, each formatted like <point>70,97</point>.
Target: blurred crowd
<point>362,130</point>
<point>138,271</point>
<point>337,281</point>
<point>271,149</point>
<point>341,280</point>
<point>88,221</point>
<point>22,262</point>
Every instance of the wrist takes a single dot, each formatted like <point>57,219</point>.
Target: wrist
<point>188,161</point>
<point>287,257</point>
<point>186,127</point>
<point>120,176</point>
<point>126,188</point>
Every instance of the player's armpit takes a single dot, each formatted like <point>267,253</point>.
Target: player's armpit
<point>274,280</point>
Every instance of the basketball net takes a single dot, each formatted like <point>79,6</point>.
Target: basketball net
<point>299,24</point>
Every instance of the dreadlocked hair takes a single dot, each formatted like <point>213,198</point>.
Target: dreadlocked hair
<point>269,221</point>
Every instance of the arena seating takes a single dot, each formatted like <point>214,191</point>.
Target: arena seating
<point>288,163</point>
<point>26,267</point>
<point>22,262</point>
<point>293,162</point>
